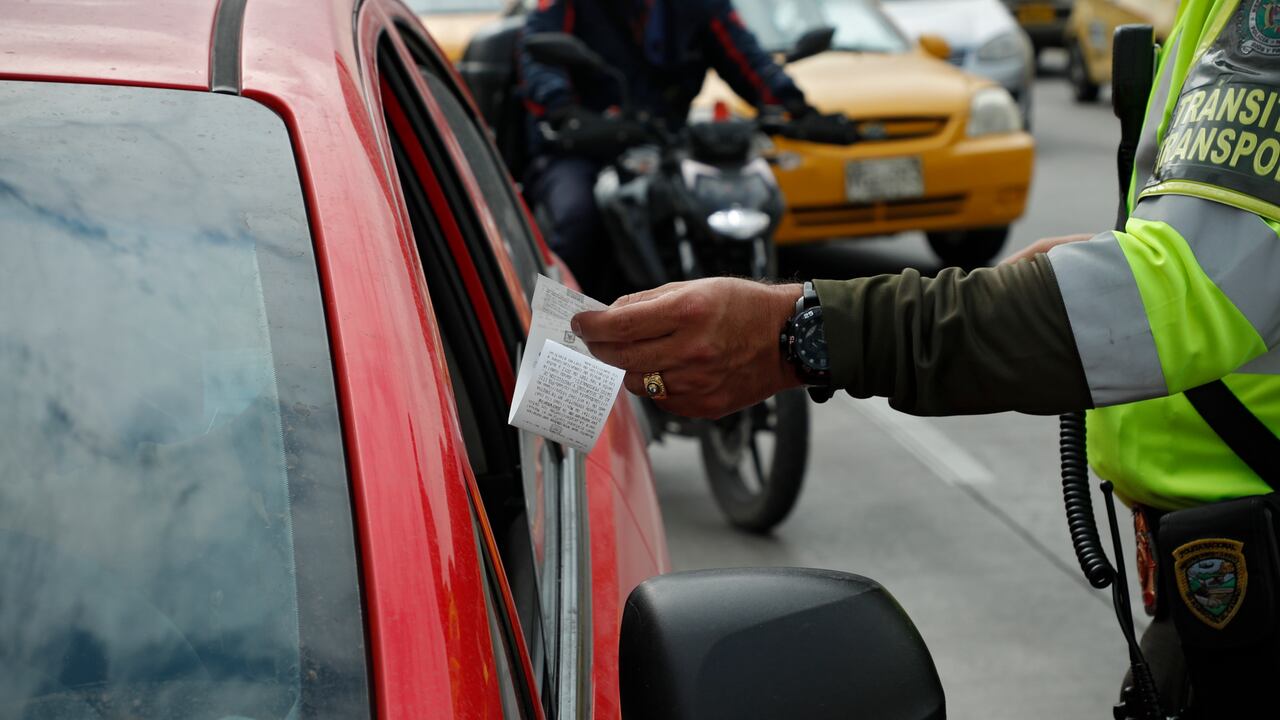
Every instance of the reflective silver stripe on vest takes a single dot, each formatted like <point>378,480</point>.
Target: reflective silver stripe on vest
<point>1237,251</point>
<point>1109,321</point>
<point>1148,144</point>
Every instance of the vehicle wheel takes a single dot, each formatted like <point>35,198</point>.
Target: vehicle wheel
<point>968,248</point>
<point>1078,72</point>
<point>756,489</point>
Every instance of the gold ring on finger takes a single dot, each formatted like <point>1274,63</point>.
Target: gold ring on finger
<point>654,386</point>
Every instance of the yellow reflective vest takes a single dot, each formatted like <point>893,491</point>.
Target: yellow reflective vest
<point>1190,291</point>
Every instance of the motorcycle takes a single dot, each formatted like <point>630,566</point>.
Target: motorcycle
<point>701,202</point>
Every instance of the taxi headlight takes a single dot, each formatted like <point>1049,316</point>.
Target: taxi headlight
<point>1004,46</point>
<point>992,111</point>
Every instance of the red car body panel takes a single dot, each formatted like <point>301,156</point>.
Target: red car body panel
<point>119,43</point>
<point>428,634</point>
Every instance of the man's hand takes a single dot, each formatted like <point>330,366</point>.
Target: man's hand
<point>1043,246</point>
<point>715,341</point>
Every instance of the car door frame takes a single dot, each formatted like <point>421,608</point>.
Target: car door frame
<point>378,19</point>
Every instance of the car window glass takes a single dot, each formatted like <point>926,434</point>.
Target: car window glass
<point>540,460</point>
<point>498,455</point>
<point>448,7</point>
<point>859,25</point>
<point>175,526</point>
<point>540,466</point>
<point>486,166</point>
<point>503,650</point>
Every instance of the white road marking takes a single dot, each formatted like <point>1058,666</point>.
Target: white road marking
<point>950,462</point>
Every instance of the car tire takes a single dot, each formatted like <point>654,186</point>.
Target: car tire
<point>1084,89</point>
<point>968,248</point>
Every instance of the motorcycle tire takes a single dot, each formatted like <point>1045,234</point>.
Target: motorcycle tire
<point>756,493</point>
<point>968,249</point>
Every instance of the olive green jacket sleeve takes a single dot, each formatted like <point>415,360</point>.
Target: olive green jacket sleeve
<point>992,340</point>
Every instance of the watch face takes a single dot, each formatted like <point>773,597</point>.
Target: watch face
<point>811,341</point>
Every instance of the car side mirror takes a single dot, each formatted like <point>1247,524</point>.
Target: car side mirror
<point>813,42</point>
<point>748,644</point>
<point>563,50</point>
<point>935,46</point>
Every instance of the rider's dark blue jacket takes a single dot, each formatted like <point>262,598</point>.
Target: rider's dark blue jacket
<point>663,47</point>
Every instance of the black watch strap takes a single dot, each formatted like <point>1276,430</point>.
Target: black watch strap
<point>809,299</point>
<point>821,393</point>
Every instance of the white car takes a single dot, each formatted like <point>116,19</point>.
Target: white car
<point>985,39</point>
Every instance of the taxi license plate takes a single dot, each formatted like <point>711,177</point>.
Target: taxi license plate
<point>883,179</point>
<point>1036,14</point>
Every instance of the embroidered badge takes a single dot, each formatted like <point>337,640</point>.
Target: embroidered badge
<point>1261,32</point>
<point>1212,579</point>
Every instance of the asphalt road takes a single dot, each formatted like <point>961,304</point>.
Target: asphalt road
<point>961,518</point>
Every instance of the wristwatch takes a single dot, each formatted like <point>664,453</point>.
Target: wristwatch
<point>804,345</point>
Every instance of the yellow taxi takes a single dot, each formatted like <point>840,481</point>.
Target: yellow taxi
<point>453,22</point>
<point>1089,32</point>
<point>942,151</point>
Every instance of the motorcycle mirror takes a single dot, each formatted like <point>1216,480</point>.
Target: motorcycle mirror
<point>567,51</point>
<point>813,42</point>
<point>751,644</point>
<point>564,50</point>
<point>935,45</point>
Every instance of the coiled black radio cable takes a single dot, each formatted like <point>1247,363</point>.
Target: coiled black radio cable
<point>1133,71</point>
<point>1079,505</point>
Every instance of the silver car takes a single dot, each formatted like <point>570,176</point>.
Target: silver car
<point>984,38</point>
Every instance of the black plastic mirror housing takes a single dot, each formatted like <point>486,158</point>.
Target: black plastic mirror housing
<point>813,42</point>
<point>771,643</point>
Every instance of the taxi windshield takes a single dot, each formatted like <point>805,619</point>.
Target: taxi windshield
<point>175,526</point>
<point>860,27</point>
<point>455,7</point>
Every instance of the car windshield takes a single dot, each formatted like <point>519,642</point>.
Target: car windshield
<point>860,27</point>
<point>175,526</point>
<point>455,7</point>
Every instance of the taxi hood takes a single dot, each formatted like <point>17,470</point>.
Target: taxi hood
<point>453,31</point>
<point>869,85</point>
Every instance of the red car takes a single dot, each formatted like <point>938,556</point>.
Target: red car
<point>263,283</point>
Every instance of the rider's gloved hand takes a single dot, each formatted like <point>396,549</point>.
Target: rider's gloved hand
<point>572,117</point>
<point>830,128</point>
<point>799,108</point>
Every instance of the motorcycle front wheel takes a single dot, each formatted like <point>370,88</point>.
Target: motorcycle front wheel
<point>756,459</point>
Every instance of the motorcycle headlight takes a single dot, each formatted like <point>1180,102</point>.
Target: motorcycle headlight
<point>993,111</point>
<point>738,223</point>
<point>1005,46</point>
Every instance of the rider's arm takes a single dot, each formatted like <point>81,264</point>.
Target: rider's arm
<point>546,88</point>
<point>1184,296</point>
<point>739,59</point>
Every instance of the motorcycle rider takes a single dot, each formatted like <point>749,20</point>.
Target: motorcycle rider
<point>664,49</point>
<point>1140,325</point>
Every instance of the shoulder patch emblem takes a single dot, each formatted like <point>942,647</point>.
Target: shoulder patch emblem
<point>1261,33</point>
<point>1212,579</point>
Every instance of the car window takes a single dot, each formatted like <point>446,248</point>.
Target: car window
<point>176,532</point>
<point>540,460</point>
<point>486,166</point>
<point>500,197</point>
<point>449,7</point>
<point>463,294</point>
<point>859,25</point>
